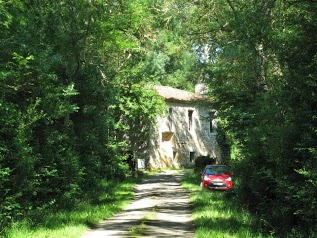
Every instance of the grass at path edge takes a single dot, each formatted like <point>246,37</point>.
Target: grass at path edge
<point>73,223</point>
<point>216,214</point>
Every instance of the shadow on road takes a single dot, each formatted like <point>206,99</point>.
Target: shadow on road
<point>160,209</point>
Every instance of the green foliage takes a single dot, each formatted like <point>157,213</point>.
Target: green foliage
<point>202,161</point>
<point>58,133</point>
<point>137,110</point>
<point>218,214</point>
<point>99,204</point>
<point>74,79</point>
<point>263,75</point>
<point>75,82</point>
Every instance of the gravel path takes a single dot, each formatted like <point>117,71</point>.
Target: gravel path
<point>160,209</point>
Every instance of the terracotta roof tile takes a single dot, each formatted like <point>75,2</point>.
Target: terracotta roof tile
<point>173,94</point>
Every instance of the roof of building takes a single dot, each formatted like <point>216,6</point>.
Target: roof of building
<point>174,94</point>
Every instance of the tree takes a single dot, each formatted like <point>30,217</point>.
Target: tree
<point>263,72</point>
<point>73,76</point>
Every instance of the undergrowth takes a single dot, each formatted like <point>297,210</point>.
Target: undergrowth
<point>216,214</point>
<point>99,205</point>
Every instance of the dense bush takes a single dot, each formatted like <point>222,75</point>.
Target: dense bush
<point>70,92</point>
<point>264,80</point>
<point>202,161</point>
<point>262,71</point>
<point>64,114</point>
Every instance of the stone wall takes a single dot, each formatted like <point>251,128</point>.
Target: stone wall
<point>183,134</point>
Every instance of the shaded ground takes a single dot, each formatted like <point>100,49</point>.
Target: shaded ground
<point>160,209</point>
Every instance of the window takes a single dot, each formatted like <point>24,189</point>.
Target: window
<point>170,120</point>
<point>191,156</point>
<point>190,119</point>
<point>213,122</point>
<point>167,136</point>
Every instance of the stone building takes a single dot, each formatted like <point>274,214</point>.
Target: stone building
<point>187,130</point>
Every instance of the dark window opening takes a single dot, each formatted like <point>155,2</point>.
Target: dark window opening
<point>190,119</point>
<point>191,156</point>
<point>213,124</point>
<point>170,121</point>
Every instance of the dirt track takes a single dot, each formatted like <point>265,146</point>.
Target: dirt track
<point>160,209</point>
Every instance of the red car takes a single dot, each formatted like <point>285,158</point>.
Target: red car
<point>216,177</point>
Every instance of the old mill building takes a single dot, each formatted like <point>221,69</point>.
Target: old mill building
<point>188,130</point>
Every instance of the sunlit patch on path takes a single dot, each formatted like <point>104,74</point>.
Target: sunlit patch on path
<point>160,209</point>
